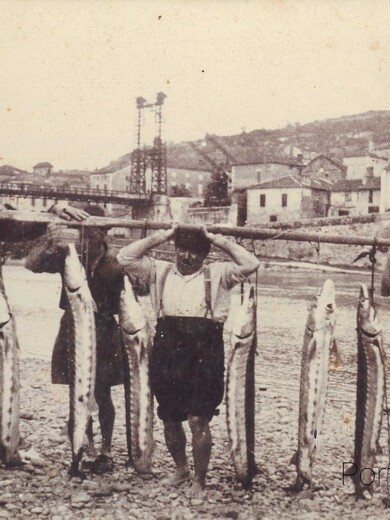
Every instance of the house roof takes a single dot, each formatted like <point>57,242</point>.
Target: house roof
<point>110,170</point>
<point>368,154</point>
<point>7,169</point>
<point>373,183</point>
<point>58,180</point>
<point>322,156</point>
<point>292,164</point>
<point>43,165</point>
<point>382,146</point>
<point>290,181</point>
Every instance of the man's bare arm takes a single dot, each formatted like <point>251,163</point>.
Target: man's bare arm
<point>139,248</point>
<point>243,258</point>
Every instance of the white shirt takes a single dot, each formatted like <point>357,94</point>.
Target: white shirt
<point>185,295</point>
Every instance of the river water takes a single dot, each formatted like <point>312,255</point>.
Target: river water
<point>283,298</point>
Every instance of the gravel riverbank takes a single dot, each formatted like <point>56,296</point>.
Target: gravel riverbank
<point>42,489</point>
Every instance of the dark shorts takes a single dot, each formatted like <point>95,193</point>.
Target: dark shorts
<point>187,367</point>
<point>109,360</point>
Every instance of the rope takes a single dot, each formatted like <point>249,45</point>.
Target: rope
<point>372,259</point>
<point>144,230</point>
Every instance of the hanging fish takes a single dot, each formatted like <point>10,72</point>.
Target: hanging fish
<point>82,355</point>
<point>138,395</point>
<point>240,390</point>
<point>370,392</point>
<point>317,346</point>
<point>9,386</point>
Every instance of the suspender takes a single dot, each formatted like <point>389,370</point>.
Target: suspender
<point>207,289</point>
<point>162,285</point>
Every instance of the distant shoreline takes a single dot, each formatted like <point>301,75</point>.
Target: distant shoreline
<point>269,264</point>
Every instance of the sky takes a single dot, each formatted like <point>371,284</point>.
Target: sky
<point>72,69</point>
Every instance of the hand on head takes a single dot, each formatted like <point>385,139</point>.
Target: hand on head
<point>171,232</point>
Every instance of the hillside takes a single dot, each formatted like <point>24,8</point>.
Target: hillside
<point>337,138</point>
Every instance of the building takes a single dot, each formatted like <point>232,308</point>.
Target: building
<point>180,181</point>
<point>193,181</point>
<point>323,167</point>
<point>298,151</point>
<point>364,166</point>
<point>43,168</point>
<point>383,150</point>
<point>286,199</point>
<point>244,175</point>
<point>355,197</point>
<point>108,179</point>
<point>10,176</point>
<point>385,190</point>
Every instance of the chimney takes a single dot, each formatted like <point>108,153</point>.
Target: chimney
<point>371,144</point>
<point>300,164</point>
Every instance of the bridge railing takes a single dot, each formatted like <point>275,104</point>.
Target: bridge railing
<point>55,192</point>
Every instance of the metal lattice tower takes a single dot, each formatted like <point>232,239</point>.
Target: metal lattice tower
<point>138,163</point>
<point>154,157</point>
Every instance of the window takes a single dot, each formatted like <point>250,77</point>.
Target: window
<point>44,203</point>
<point>33,202</point>
<point>284,200</point>
<point>370,171</point>
<point>273,218</point>
<point>348,196</point>
<point>97,187</point>
<point>105,187</point>
<point>200,189</point>
<point>373,209</point>
<point>370,197</point>
<point>262,200</point>
<point>343,212</point>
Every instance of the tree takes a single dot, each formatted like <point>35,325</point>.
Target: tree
<point>216,193</point>
<point>180,191</point>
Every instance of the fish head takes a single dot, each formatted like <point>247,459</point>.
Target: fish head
<point>131,315</point>
<point>367,316</point>
<point>322,311</point>
<point>74,273</point>
<point>245,319</point>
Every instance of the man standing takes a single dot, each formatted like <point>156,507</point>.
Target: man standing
<point>187,361</point>
<point>105,280</point>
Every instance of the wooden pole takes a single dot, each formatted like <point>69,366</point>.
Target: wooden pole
<point>233,231</point>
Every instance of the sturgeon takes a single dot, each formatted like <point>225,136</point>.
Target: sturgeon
<point>370,392</point>
<point>138,396</point>
<point>9,386</point>
<point>82,355</point>
<point>240,390</point>
<point>317,346</point>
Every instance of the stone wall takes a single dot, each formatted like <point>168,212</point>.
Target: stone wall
<point>330,254</point>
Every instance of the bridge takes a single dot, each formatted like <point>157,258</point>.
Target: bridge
<point>76,194</point>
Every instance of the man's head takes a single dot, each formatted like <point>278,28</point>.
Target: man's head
<point>192,247</point>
